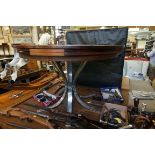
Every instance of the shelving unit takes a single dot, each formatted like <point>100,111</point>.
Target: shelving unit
<point>149,44</point>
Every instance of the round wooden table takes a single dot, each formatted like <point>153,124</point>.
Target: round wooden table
<point>70,54</point>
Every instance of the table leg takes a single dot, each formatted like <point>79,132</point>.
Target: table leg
<point>56,65</point>
<point>85,105</point>
<point>69,87</point>
<point>68,84</point>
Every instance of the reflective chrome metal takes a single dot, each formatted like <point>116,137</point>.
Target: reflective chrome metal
<point>58,67</point>
<point>92,108</point>
<point>82,65</point>
<point>60,100</point>
<point>69,87</point>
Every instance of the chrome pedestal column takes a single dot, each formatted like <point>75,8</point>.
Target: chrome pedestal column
<point>69,87</point>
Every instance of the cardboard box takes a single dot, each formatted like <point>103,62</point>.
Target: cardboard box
<point>122,109</point>
<point>9,35</point>
<point>141,85</point>
<point>6,30</point>
<point>125,89</point>
<point>153,84</point>
<point>6,39</point>
<point>10,39</point>
<point>1,52</point>
<point>1,41</point>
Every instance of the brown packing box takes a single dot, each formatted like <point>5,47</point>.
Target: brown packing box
<point>1,41</point>
<point>10,39</point>
<point>153,84</point>
<point>142,86</point>
<point>6,39</point>
<point>9,35</point>
<point>122,109</point>
<point>125,89</point>
<point>6,30</point>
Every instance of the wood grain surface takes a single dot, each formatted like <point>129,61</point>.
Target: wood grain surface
<point>15,97</point>
<point>68,52</point>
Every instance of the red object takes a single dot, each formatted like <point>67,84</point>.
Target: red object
<point>140,59</point>
<point>41,98</point>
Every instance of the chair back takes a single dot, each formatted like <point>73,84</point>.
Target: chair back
<point>106,72</point>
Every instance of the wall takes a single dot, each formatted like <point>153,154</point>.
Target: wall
<point>6,37</point>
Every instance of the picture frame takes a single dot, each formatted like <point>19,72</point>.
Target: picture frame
<point>21,31</point>
<point>21,34</point>
<point>18,40</point>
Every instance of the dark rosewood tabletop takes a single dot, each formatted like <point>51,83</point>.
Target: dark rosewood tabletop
<point>68,52</point>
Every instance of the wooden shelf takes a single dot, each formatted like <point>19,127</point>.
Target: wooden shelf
<point>22,36</point>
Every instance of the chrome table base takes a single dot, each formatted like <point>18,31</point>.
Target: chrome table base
<point>70,87</point>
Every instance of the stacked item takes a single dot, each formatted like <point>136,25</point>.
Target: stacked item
<point>111,95</point>
<point>45,98</point>
<point>149,44</point>
<point>144,91</point>
<point>113,115</point>
<point>143,95</point>
<point>136,68</point>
